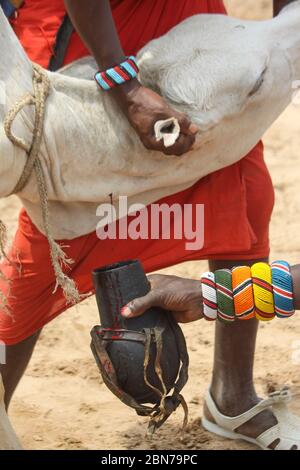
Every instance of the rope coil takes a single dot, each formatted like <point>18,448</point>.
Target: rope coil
<point>41,90</point>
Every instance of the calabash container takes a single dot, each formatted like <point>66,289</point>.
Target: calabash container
<point>124,339</point>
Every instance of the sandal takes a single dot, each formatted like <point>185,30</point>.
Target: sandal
<point>286,431</point>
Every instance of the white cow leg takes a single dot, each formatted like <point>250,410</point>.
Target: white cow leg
<point>8,437</point>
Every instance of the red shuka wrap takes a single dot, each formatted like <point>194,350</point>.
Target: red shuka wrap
<point>238,200</point>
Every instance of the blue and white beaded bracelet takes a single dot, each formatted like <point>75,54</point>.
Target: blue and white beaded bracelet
<point>117,75</point>
<point>283,293</point>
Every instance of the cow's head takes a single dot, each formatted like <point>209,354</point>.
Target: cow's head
<point>213,67</point>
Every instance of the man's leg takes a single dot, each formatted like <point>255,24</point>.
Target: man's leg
<point>232,385</point>
<point>17,359</point>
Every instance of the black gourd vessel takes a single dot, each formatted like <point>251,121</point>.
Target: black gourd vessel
<point>120,345</point>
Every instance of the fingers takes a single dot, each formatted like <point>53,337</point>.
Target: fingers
<point>138,306</point>
<point>183,144</point>
<point>144,108</point>
<point>193,129</point>
<point>186,126</point>
<point>185,141</point>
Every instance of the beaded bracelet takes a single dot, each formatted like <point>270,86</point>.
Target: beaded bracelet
<point>209,295</point>
<point>117,75</point>
<point>261,291</point>
<point>243,293</point>
<point>282,282</point>
<point>223,279</point>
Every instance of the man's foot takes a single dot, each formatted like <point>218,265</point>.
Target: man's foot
<point>235,404</point>
<point>268,423</point>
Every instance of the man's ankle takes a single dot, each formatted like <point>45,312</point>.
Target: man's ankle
<point>232,398</point>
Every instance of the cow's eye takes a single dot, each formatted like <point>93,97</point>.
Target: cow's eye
<point>258,83</point>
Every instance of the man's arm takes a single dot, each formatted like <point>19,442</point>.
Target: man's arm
<point>94,22</point>
<point>278,5</point>
<point>183,297</point>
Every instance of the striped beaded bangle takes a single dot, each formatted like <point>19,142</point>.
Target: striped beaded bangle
<point>282,282</point>
<point>223,279</point>
<point>243,293</point>
<point>117,75</point>
<point>263,291</point>
<point>209,296</point>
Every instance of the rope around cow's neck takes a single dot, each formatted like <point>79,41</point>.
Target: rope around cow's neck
<point>41,89</point>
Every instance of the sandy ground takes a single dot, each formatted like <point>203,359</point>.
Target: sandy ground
<point>61,402</point>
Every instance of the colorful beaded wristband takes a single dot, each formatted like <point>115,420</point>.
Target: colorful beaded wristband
<point>282,282</point>
<point>263,291</point>
<point>117,75</point>
<point>243,293</point>
<point>209,296</point>
<point>223,279</point>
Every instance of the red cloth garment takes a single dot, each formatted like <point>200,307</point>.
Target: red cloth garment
<point>137,21</point>
<point>238,200</point>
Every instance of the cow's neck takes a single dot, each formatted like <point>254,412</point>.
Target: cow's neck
<point>15,68</point>
<point>98,110</point>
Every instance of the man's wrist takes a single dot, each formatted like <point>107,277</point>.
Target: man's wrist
<point>121,74</point>
<point>123,94</point>
<point>128,89</point>
<point>110,60</point>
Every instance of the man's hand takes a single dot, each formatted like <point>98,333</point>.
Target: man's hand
<point>180,296</point>
<point>144,107</point>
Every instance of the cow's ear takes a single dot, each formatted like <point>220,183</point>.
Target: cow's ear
<point>184,83</point>
<point>173,76</point>
<point>151,70</point>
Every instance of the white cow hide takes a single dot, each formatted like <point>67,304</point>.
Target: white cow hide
<point>232,77</point>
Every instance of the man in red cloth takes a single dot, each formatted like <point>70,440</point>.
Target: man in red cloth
<point>238,200</point>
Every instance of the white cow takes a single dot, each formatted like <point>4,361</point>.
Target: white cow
<point>232,77</point>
